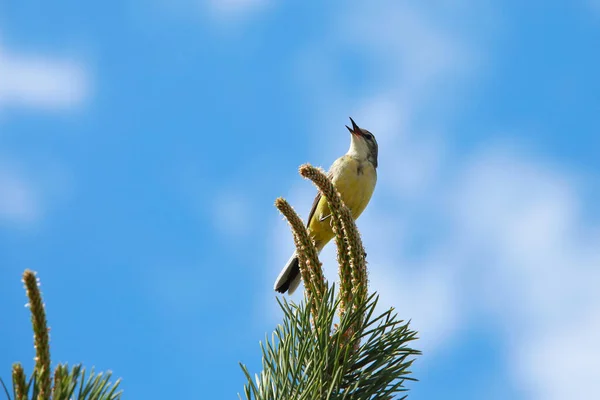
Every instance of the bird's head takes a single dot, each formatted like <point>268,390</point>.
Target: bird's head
<point>363,144</point>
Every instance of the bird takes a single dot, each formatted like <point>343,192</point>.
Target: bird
<point>354,175</point>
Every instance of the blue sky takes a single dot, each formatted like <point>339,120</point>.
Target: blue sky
<point>142,145</point>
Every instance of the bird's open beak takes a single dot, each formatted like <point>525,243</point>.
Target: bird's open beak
<point>355,130</point>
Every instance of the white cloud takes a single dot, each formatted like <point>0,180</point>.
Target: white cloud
<point>412,59</point>
<point>426,296</point>
<point>40,82</point>
<point>19,202</point>
<point>228,16</point>
<point>26,194</point>
<point>522,221</point>
<point>412,49</point>
<point>563,362</point>
<point>236,7</point>
<point>232,213</point>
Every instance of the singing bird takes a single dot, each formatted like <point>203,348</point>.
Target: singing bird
<point>354,176</point>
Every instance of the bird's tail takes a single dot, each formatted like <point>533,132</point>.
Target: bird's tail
<point>289,277</point>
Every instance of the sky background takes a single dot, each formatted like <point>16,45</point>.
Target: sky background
<point>142,144</point>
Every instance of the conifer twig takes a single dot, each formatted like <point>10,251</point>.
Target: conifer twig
<point>353,270</point>
<point>333,200</point>
<point>58,376</point>
<point>40,334</point>
<point>305,358</point>
<point>353,273</point>
<point>308,258</point>
<point>19,382</point>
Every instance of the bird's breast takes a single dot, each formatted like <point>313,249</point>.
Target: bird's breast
<point>355,180</point>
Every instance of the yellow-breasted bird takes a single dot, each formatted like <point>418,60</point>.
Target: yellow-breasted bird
<point>354,176</point>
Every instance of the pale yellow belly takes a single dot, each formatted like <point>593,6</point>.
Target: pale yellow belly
<point>355,181</point>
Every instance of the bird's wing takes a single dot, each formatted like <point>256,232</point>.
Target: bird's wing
<point>315,204</point>
<point>313,208</point>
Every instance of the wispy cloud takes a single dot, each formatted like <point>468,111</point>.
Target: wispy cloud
<point>231,213</point>
<point>228,208</point>
<point>41,82</point>
<point>19,202</point>
<point>530,259</point>
<point>412,58</point>
<point>235,8</point>
<point>27,194</point>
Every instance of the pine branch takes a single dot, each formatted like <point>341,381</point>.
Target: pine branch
<point>353,273</point>
<point>309,356</point>
<point>335,206</point>
<point>19,382</point>
<point>354,281</point>
<point>300,362</point>
<point>40,335</point>
<point>308,258</point>
<point>64,385</point>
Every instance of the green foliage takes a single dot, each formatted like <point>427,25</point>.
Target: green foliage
<point>69,383</point>
<point>306,361</point>
<point>96,387</point>
<point>66,383</point>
